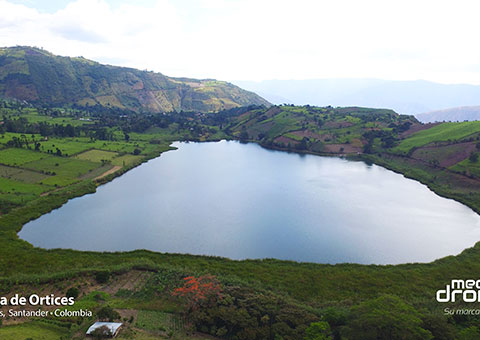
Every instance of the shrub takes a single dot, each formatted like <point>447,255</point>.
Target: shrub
<point>73,292</point>
<point>101,333</point>
<point>102,277</point>
<point>473,157</point>
<point>318,331</point>
<point>108,313</point>
<point>386,317</point>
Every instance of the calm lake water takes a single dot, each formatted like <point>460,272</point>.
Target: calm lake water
<point>242,201</point>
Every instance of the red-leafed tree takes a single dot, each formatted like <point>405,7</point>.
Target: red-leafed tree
<point>199,291</point>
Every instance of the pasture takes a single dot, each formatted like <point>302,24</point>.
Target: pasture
<point>20,174</point>
<point>63,166</point>
<point>96,156</point>
<point>126,160</point>
<point>10,186</point>
<point>18,157</point>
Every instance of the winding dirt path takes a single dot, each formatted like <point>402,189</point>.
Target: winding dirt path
<point>111,171</point>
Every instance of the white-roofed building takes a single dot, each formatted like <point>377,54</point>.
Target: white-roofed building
<point>113,327</point>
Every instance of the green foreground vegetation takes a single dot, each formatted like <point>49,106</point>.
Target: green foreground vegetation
<point>49,155</point>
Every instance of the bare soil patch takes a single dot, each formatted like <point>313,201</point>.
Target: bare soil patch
<point>341,148</point>
<point>307,133</point>
<point>337,125</point>
<point>285,140</point>
<point>446,155</point>
<point>111,171</point>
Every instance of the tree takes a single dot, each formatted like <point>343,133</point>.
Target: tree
<point>108,313</point>
<point>386,317</point>
<point>73,292</point>
<point>469,333</point>
<point>244,136</point>
<point>101,333</point>
<point>197,291</point>
<point>473,157</point>
<point>303,145</point>
<point>102,276</point>
<point>440,327</point>
<point>318,331</point>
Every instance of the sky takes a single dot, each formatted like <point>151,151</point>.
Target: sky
<point>259,39</point>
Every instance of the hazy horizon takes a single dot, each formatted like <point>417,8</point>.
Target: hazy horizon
<point>258,40</point>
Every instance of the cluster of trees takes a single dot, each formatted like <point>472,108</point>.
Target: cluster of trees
<point>103,121</point>
<point>237,311</point>
<point>244,313</point>
<point>387,139</point>
<point>21,125</point>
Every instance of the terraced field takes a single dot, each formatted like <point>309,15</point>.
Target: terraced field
<point>439,133</point>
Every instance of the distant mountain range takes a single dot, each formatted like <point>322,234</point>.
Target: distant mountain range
<point>407,97</point>
<point>455,114</point>
<point>38,76</point>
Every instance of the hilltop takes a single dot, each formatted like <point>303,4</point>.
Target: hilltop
<point>40,77</point>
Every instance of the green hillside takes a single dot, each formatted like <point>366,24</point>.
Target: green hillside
<point>325,130</point>
<point>443,156</point>
<point>38,76</point>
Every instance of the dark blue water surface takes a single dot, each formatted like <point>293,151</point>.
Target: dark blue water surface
<point>242,201</point>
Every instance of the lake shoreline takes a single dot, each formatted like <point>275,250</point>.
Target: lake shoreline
<point>214,253</point>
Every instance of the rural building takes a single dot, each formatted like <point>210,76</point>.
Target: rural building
<point>114,327</point>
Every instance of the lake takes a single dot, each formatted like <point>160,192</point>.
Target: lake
<point>243,201</point>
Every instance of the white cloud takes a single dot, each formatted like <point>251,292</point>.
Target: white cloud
<point>262,39</point>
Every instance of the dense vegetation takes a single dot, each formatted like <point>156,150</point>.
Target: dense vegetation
<point>35,75</point>
<point>49,155</point>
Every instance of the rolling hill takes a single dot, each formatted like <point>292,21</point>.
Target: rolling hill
<point>38,76</point>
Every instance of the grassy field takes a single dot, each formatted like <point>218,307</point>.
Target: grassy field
<point>467,166</point>
<point>18,157</point>
<point>32,330</point>
<point>97,156</point>
<point>158,321</point>
<point>62,166</point>
<point>19,187</point>
<point>126,160</point>
<point>21,174</point>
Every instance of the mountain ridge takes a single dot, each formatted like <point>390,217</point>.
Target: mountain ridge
<point>38,76</point>
<point>454,114</point>
<point>405,97</point>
